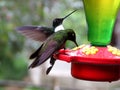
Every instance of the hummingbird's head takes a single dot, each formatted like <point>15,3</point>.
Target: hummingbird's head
<point>57,22</point>
<point>72,36</point>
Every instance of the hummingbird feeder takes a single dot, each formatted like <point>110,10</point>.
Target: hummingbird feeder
<point>98,61</point>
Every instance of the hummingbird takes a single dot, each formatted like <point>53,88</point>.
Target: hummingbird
<point>51,46</point>
<point>41,33</point>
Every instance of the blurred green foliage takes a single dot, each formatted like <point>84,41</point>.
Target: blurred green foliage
<point>34,88</point>
<point>10,45</point>
<point>14,13</point>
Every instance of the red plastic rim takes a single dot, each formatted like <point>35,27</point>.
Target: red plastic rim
<point>103,65</point>
<point>103,56</point>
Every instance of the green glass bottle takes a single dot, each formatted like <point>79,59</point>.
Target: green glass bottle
<point>100,16</point>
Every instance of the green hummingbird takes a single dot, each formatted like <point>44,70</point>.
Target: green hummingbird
<point>41,33</point>
<point>51,46</point>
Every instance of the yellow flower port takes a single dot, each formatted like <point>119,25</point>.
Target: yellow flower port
<point>113,50</point>
<point>90,50</point>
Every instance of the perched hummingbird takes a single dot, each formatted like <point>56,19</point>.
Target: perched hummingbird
<point>41,33</point>
<point>51,46</point>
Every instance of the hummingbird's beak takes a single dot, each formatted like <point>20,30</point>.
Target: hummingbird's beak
<point>69,14</point>
<point>76,43</point>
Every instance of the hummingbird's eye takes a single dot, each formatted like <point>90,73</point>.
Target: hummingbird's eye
<point>73,34</point>
<point>57,22</point>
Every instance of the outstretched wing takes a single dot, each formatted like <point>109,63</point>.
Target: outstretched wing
<point>37,33</point>
<point>51,48</point>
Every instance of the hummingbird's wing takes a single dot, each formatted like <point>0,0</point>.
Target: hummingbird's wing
<point>52,47</point>
<point>37,33</point>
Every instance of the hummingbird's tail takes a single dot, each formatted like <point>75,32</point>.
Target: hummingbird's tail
<point>35,54</point>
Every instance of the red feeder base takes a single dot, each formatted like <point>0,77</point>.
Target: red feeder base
<point>94,72</point>
<point>93,63</point>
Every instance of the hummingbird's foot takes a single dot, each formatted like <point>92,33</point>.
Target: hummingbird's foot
<point>52,62</point>
<point>48,70</point>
